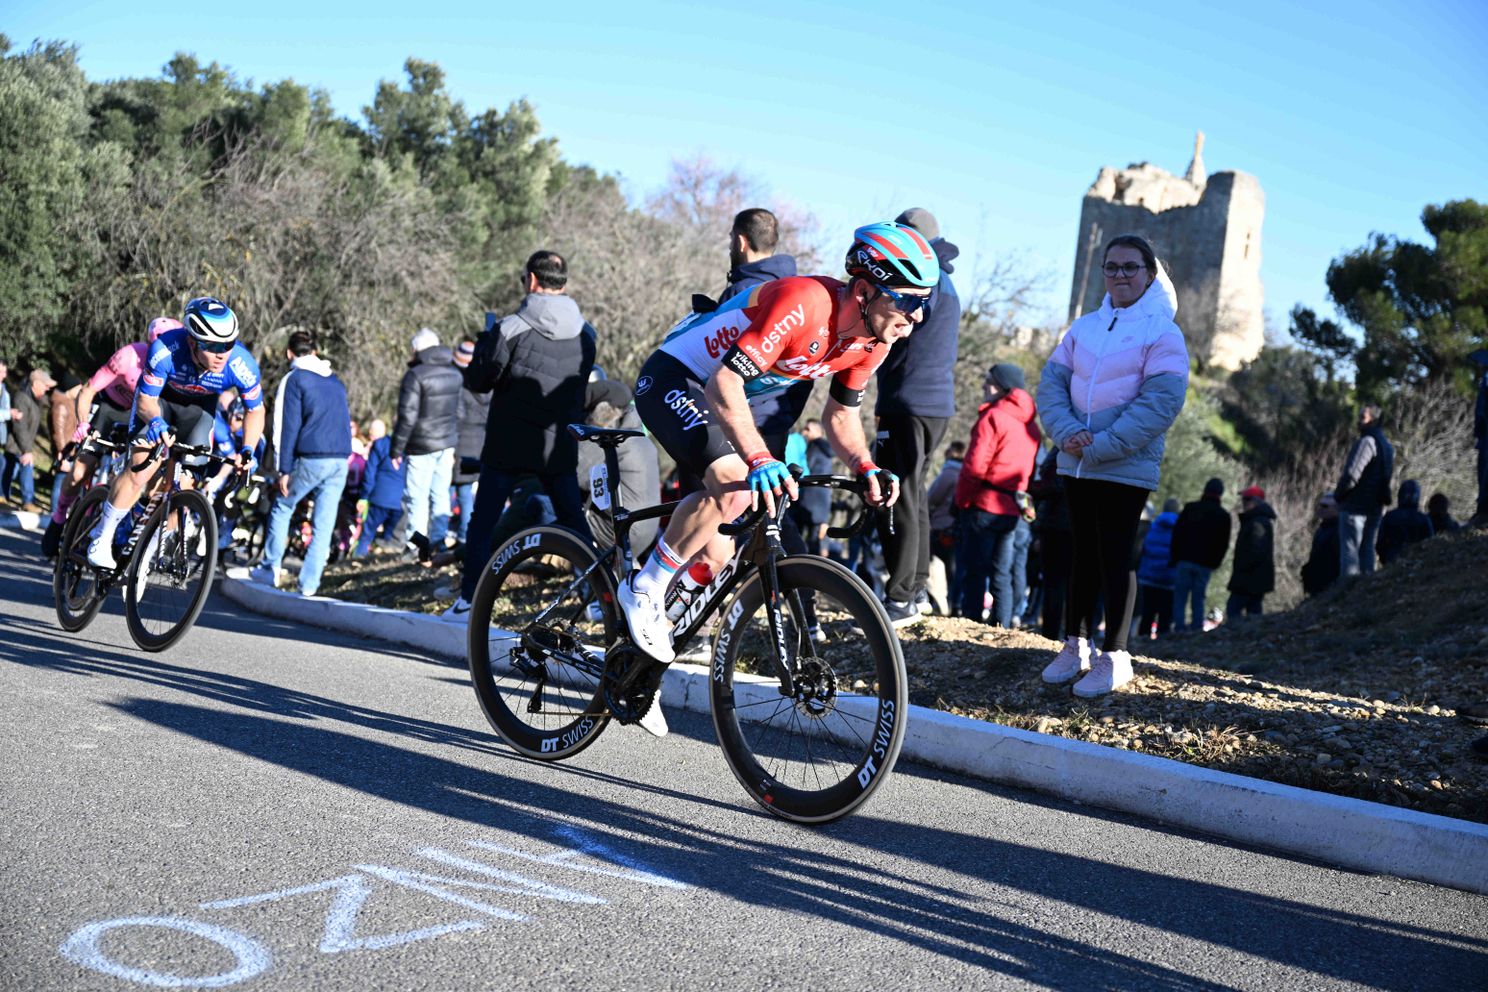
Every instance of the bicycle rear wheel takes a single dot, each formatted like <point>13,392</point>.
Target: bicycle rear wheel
<point>77,590</point>
<point>171,572</point>
<point>819,754</point>
<point>539,628</point>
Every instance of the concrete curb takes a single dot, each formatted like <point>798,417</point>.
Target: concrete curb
<point>21,520</point>
<point>1350,833</point>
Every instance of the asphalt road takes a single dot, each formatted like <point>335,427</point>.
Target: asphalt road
<point>273,807</point>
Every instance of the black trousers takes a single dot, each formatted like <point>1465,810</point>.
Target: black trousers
<point>1057,558</point>
<point>905,444</point>
<point>1104,517</point>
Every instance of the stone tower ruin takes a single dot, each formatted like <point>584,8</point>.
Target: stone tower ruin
<point>1208,231</point>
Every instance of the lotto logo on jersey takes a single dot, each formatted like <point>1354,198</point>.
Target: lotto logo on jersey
<point>804,368</point>
<point>718,342</point>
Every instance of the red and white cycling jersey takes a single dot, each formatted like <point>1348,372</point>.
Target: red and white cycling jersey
<point>778,333</point>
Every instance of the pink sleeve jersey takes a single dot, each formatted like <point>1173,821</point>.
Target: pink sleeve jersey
<point>118,376</point>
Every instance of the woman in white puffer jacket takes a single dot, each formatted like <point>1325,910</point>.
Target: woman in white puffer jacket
<point>1107,397</point>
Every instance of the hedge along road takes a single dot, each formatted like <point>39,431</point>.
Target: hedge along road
<point>275,807</point>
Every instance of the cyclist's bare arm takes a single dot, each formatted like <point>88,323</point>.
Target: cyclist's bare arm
<point>85,402</point>
<point>844,429</point>
<point>725,395</point>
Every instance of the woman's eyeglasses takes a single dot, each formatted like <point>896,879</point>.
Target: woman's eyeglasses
<point>1125,269</point>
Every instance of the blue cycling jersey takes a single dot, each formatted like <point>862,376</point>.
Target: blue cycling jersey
<point>171,371</point>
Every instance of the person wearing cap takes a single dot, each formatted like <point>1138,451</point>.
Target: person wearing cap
<point>24,431</point>
<point>916,400</point>
<point>1108,395</point>
<point>1254,572</point>
<point>1201,539</point>
<point>62,422</point>
<point>1000,460</point>
<point>425,433</point>
<point>473,411</point>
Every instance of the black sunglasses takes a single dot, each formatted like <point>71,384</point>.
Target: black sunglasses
<point>906,303</point>
<point>215,347</point>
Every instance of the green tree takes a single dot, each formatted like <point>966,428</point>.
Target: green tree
<point>1421,308</point>
<point>44,179</point>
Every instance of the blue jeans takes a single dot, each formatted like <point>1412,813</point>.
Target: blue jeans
<point>1022,538</point>
<point>987,546</point>
<point>26,475</point>
<point>1356,534</point>
<point>1190,585</point>
<point>426,501</point>
<point>322,478</point>
<point>384,518</point>
<point>465,497</point>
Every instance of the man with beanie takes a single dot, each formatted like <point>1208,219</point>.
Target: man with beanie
<point>1201,537</point>
<point>992,492</point>
<point>536,365</point>
<point>1405,524</point>
<point>916,400</point>
<point>425,433</point>
<point>472,414</point>
<point>312,441</point>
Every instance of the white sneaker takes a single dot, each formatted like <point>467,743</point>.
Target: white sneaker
<point>459,611</point>
<point>653,721</point>
<point>1070,663</point>
<point>647,620</point>
<point>1110,671</point>
<point>101,553</point>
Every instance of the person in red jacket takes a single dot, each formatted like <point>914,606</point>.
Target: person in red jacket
<point>992,491</point>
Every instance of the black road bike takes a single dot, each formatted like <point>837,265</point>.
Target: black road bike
<point>165,554</point>
<point>806,678</point>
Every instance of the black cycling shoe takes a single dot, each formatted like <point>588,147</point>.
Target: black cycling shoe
<point>51,540</point>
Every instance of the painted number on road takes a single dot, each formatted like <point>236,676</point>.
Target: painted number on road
<point>463,880</point>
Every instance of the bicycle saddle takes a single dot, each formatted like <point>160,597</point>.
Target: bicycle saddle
<point>605,437</point>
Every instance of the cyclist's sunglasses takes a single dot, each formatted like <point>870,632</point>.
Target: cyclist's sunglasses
<point>906,303</point>
<point>215,347</point>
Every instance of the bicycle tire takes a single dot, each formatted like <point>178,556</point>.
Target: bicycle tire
<point>528,578</point>
<point>72,574</point>
<point>847,743</point>
<point>170,571</point>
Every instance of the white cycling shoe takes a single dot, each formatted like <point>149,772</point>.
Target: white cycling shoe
<point>648,624</point>
<point>653,721</point>
<point>101,553</point>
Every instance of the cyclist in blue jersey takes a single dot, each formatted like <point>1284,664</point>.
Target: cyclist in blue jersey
<point>185,372</point>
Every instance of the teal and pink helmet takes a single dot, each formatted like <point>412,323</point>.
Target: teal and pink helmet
<point>893,255</point>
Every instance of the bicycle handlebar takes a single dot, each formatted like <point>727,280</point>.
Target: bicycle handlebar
<point>858,487</point>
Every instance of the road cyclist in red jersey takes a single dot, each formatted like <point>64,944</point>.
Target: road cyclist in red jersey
<point>693,396</point>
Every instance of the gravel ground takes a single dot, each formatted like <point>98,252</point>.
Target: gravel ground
<point>1351,693</point>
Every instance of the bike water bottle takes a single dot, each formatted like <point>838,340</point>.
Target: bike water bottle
<point>693,581</point>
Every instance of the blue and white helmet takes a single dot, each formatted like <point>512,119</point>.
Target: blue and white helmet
<point>210,321</point>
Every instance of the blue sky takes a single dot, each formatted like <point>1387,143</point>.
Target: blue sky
<point>995,116</point>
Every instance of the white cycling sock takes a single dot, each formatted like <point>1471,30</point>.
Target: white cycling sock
<point>109,522</point>
<point>653,578</point>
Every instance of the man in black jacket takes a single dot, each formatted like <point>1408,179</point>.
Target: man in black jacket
<point>425,434</point>
<point>1363,492</point>
<point>472,413</point>
<point>1405,524</point>
<point>1200,539</point>
<point>916,400</point>
<point>536,364</point>
<point>1254,572</point>
<point>1321,570</point>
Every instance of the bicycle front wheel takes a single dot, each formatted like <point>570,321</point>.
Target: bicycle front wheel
<point>820,753</point>
<point>543,615</point>
<point>175,558</point>
<point>77,590</point>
